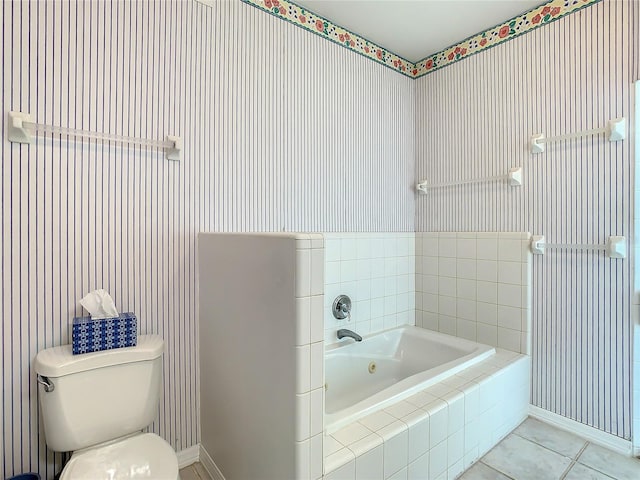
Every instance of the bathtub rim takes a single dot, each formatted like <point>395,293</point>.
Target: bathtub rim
<point>407,386</point>
<point>445,337</point>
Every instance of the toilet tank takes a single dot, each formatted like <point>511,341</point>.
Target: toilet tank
<point>99,396</point>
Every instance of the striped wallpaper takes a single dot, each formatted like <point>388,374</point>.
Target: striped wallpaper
<point>475,118</point>
<point>307,136</point>
<point>282,131</point>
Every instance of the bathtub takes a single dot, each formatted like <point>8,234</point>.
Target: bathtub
<point>389,366</point>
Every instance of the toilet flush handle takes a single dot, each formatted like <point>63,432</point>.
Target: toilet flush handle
<point>46,383</point>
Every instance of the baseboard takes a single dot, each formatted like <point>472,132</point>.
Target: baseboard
<point>592,434</point>
<point>208,463</point>
<point>188,456</point>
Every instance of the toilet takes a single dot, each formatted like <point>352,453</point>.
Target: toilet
<point>96,405</point>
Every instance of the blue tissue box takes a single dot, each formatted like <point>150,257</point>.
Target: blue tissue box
<point>94,335</point>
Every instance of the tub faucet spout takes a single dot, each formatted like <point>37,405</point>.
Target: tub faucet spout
<point>343,332</point>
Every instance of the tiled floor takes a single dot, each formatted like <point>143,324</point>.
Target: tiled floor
<point>534,451</point>
<point>537,451</point>
<point>194,472</point>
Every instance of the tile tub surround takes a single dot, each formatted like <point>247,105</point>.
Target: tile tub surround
<point>309,355</point>
<point>439,432</point>
<point>376,270</point>
<point>476,285</point>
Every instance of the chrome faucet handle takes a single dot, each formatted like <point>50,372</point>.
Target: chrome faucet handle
<point>342,307</point>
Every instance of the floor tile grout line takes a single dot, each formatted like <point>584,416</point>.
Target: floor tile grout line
<point>573,460</point>
<point>194,471</point>
<point>586,444</point>
<point>551,449</point>
<point>592,467</point>
<point>566,472</point>
<point>495,469</point>
<point>197,473</point>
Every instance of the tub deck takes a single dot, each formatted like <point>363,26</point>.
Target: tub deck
<point>439,431</point>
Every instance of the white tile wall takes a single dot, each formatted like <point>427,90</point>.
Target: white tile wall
<point>377,271</point>
<point>439,432</point>
<point>369,464</point>
<point>309,355</point>
<point>475,285</point>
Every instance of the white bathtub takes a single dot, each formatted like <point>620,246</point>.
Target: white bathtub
<point>362,377</point>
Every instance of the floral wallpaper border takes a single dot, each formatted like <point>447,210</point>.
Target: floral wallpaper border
<point>503,32</point>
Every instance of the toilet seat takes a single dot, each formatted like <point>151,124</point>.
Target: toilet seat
<point>140,456</point>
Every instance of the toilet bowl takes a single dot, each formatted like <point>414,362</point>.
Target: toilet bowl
<point>143,455</point>
<point>96,406</point>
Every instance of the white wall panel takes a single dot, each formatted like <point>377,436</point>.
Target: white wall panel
<point>475,119</point>
<point>282,130</point>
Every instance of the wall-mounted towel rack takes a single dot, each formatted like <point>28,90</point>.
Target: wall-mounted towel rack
<point>615,131</point>
<point>616,246</point>
<point>22,129</point>
<point>513,177</point>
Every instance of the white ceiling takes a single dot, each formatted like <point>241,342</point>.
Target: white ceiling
<point>414,29</point>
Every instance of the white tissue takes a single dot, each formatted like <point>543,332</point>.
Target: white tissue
<point>99,304</point>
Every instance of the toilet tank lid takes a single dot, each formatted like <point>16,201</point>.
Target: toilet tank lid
<point>58,361</point>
